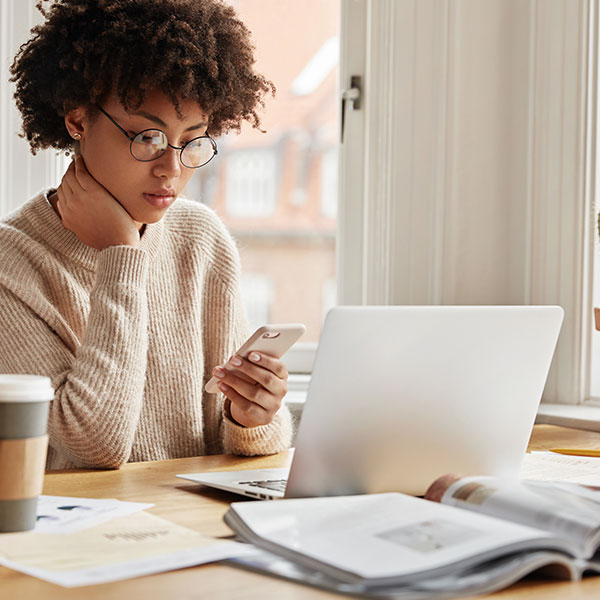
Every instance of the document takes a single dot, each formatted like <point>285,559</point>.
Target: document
<point>549,466</point>
<point>61,514</point>
<point>128,546</point>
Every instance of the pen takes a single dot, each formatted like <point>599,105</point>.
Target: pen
<point>576,451</point>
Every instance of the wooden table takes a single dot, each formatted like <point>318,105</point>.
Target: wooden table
<point>199,508</point>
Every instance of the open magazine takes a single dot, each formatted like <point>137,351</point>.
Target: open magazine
<point>482,535</point>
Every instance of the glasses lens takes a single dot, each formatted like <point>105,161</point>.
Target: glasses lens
<point>149,144</point>
<point>198,152</point>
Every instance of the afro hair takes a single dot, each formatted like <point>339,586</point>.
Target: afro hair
<point>87,49</point>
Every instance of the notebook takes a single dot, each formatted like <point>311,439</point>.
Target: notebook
<point>400,395</point>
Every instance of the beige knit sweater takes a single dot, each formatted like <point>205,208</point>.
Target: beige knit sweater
<point>128,336</point>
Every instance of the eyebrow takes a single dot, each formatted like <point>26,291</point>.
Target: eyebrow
<point>160,122</point>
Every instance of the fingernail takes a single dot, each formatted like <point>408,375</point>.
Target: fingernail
<point>236,361</point>
<point>218,372</point>
<point>254,357</point>
<point>222,387</point>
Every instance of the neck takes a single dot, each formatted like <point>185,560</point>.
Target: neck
<point>53,199</point>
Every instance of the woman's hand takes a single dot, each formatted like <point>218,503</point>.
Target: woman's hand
<point>256,387</point>
<point>91,213</point>
<point>440,486</point>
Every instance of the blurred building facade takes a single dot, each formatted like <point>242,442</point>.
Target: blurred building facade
<point>277,190</point>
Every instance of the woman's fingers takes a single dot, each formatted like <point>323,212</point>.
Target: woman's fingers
<point>84,179</point>
<point>251,391</point>
<point>275,365</point>
<point>245,412</point>
<point>61,201</point>
<point>89,210</point>
<point>269,372</point>
<point>256,387</point>
<point>69,182</point>
<point>438,488</point>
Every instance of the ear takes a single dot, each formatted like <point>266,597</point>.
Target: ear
<point>76,122</point>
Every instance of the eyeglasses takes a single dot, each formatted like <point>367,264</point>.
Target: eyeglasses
<point>150,144</point>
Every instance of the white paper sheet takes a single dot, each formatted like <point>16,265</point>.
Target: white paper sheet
<point>125,547</point>
<point>63,514</point>
<point>550,466</point>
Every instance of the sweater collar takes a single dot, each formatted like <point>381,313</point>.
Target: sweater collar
<point>49,226</point>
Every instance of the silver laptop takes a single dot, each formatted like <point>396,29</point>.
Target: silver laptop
<point>400,395</point>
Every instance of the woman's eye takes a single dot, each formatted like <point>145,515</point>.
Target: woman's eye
<point>149,138</point>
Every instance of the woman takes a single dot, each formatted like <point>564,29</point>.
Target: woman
<point>126,296</point>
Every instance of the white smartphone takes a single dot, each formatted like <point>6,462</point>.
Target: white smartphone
<point>274,340</point>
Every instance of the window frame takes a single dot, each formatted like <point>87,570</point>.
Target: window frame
<point>351,160</point>
<point>561,146</point>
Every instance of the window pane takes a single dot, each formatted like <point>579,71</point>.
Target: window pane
<point>277,191</point>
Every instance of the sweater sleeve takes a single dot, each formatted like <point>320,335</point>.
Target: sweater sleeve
<point>98,389</point>
<point>227,331</point>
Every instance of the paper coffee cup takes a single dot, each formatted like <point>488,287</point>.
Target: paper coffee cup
<point>24,403</point>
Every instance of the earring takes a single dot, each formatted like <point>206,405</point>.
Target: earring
<point>76,136</point>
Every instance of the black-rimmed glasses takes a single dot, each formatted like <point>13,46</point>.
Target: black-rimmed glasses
<point>150,144</point>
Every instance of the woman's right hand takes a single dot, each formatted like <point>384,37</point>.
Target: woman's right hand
<point>91,213</point>
<point>440,486</point>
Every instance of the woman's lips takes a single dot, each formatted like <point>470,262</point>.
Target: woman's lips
<point>160,200</point>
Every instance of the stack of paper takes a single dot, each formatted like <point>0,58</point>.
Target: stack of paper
<point>82,541</point>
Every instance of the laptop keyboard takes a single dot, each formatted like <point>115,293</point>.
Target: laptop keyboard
<point>277,485</point>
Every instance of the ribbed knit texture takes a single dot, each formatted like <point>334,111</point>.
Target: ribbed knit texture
<point>128,336</point>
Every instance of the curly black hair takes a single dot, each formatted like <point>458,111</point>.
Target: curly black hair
<point>86,49</point>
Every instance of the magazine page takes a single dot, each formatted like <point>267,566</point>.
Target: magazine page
<point>572,514</point>
<point>484,578</point>
<point>382,537</point>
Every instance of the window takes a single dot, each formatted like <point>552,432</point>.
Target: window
<point>277,191</point>
<point>462,175</point>
<point>329,187</point>
<point>250,185</point>
<point>257,295</point>
<point>329,295</point>
<point>594,225</point>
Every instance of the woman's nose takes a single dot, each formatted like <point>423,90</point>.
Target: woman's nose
<point>168,165</point>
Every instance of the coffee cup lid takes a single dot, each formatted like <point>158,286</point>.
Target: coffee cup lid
<point>25,388</point>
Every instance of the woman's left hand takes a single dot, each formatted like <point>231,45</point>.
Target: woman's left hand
<point>255,385</point>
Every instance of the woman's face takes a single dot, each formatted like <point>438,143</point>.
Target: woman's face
<point>144,189</point>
